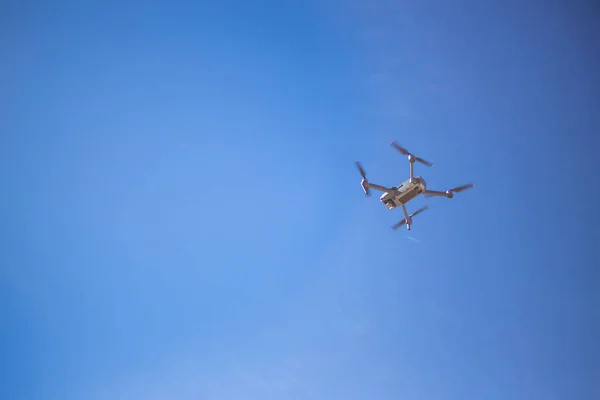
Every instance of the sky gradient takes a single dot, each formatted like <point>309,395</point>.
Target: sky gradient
<point>181,217</point>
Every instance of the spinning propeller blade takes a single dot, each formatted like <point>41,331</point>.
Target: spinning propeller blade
<point>459,189</point>
<point>361,169</point>
<point>399,224</point>
<point>400,148</point>
<point>420,210</point>
<point>408,153</point>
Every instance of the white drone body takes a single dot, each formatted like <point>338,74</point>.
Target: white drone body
<point>399,196</point>
<point>404,193</point>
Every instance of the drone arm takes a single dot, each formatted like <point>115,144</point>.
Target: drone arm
<point>376,187</point>
<point>405,211</point>
<point>450,192</point>
<point>438,193</point>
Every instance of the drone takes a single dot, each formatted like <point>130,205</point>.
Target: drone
<point>408,190</point>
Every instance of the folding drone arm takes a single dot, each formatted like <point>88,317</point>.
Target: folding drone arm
<point>431,193</point>
<point>376,187</point>
<point>366,185</point>
<point>450,192</point>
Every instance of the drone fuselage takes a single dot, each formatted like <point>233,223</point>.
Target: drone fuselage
<point>404,192</point>
<point>399,196</point>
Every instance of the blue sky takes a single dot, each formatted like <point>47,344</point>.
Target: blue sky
<point>182,219</point>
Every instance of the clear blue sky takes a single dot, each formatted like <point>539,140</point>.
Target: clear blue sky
<point>181,217</point>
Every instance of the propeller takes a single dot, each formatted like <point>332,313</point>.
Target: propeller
<point>459,189</point>
<point>361,169</point>
<point>420,210</point>
<point>403,222</point>
<point>408,153</point>
<point>364,180</point>
<point>399,224</point>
